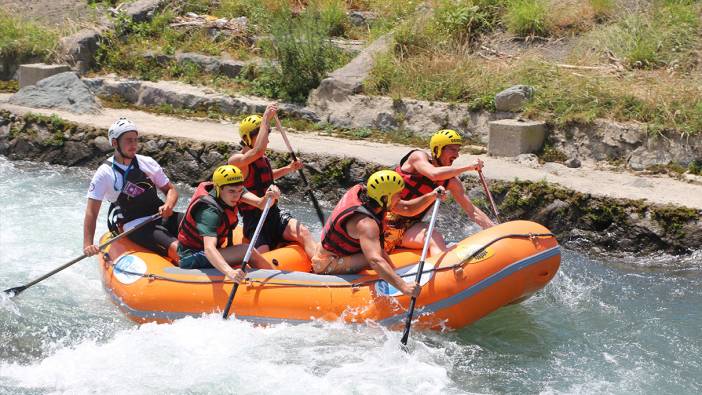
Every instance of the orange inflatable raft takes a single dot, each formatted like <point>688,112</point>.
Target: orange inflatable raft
<point>502,265</point>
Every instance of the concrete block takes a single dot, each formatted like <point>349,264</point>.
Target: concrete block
<point>512,137</point>
<point>30,74</point>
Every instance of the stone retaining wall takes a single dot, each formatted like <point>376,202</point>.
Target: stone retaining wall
<point>580,221</point>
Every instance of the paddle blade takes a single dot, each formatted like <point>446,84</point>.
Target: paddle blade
<point>12,292</point>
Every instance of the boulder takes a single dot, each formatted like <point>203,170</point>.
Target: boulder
<point>79,49</point>
<point>231,68</point>
<point>209,64</point>
<point>142,10</point>
<point>643,158</point>
<point>361,18</point>
<point>102,144</point>
<point>512,99</point>
<point>63,91</point>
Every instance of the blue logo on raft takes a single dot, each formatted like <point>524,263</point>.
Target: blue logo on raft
<point>129,269</point>
<point>408,275</point>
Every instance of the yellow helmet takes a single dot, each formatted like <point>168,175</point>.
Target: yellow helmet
<point>443,138</point>
<point>226,175</point>
<point>247,126</point>
<point>384,183</point>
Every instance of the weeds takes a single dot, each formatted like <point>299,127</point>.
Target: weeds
<point>22,40</point>
<point>666,35</point>
<point>527,17</point>
<point>303,51</point>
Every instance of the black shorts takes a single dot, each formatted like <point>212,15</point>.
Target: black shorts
<point>158,235</point>
<point>272,230</point>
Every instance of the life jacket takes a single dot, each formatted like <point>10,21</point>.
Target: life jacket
<point>258,179</point>
<point>335,237</point>
<point>138,197</point>
<point>416,184</point>
<point>187,233</point>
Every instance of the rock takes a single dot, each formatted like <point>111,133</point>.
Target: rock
<point>231,68</point>
<point>511,99</point>
<point>554,216</point>
<point>159,58</point>
<point>212,158</point>
<point>573,163</point>
<point>4,131</point>
<point>528,160</point>
<point>63,91</point>
<point>642,158</point>
<point>102,144</point>
<point>386,121</point>
<point>209,64</point>
<point>75,152</point>
<point>142,10</point>
<point>361,18</point>
<point>79,49</point>
<point>349,78</point>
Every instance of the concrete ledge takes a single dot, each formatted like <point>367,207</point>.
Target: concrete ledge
<point>30,74</point>
<point>512,137</point>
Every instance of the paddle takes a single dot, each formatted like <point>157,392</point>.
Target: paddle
<point>17,290</point>
<point>489,195</point>
<point>420,269</point>
<point>315,203</point>
<point>248,255</point>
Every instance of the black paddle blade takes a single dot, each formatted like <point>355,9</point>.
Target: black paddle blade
<point>12,292</point>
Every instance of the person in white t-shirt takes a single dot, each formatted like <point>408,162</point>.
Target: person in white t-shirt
<point>130,183</point>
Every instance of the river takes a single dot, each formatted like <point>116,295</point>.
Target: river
<point>601,325</point>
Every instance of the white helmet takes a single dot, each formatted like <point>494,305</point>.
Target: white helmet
<point>120,127</point>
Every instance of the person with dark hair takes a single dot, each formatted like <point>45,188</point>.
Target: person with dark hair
<point>130,182</point>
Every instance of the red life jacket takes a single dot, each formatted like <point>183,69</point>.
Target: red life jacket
<point>258,179</point>
<point>335,237</point>
<point>416,184</point>
<point>188,235</point>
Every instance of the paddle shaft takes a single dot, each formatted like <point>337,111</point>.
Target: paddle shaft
<point>315,203</point>
<point>420,269</point>
<point>15,291</point>
<point>489,195</point>
<point>247,256</point>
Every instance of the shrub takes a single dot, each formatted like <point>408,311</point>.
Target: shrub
<point>462,20</point>
<point>527,17</point>
<point>332,15</point>
<point>303,50</point>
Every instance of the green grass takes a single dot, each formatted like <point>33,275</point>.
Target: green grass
<point>666,35</point>
<point>527,17</point>
<point>561,97</point>
<point>425,67</point>
<point>22,39</point>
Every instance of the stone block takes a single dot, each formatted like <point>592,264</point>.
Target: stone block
<point>512,137</point>
<point>30,74</point>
